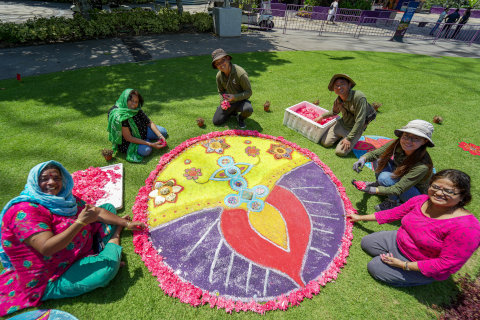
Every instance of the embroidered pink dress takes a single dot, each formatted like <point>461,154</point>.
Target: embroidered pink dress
<point>24,285</point>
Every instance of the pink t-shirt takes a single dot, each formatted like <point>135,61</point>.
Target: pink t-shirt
<point>24,285</point>
<point>440,246</point>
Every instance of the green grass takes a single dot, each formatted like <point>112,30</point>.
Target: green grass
<point>62,116</point>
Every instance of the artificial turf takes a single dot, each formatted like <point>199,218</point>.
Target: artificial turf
<point>63,116</point>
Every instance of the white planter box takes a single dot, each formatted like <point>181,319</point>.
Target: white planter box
<point>308,128</point>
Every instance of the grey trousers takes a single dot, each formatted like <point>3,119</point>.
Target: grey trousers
<point>384,242</point>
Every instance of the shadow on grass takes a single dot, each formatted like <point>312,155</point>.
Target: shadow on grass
<point>92,91</point>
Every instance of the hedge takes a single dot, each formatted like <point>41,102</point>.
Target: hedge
<point>102,25</point>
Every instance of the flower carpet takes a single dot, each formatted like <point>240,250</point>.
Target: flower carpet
<point>242,221</point>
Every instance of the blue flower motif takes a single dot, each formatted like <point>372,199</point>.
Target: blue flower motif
<point>32,283</point>
<point>12,309</point>
<point>43,226</point>
<point>20,215</point>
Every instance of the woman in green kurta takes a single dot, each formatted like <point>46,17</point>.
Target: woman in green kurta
<point>404,165</point>
<point>130,130</point>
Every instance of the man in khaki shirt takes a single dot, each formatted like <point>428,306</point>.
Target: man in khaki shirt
<point>233,86</point>
<point>356,114</point>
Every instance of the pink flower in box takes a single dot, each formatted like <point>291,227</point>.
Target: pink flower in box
<point>312,113</point>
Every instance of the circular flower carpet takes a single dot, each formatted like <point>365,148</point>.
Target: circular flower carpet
<point>242,221</point>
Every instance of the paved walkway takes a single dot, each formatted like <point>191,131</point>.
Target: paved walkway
<point>35,60</point>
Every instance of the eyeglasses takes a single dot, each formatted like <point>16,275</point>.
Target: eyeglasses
<point>412,138</point>
<point>220,61</point>
<point>447,192</point>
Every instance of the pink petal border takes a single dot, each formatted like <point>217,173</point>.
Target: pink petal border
<point>187,292</point>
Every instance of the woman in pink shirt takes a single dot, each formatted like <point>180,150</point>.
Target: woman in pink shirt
<point>438,235</point>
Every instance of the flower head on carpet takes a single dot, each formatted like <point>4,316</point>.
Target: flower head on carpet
<point>165,192</point>
<point>280,151</point>
<point>217,145</point>
<point>252,151</point>
<point>192,173</point>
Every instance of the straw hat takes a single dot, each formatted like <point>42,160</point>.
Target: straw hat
<point>419,128</point>
<point>340,75</point>
<point>218,54</point>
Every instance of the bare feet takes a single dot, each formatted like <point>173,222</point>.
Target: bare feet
<point>116,235</point>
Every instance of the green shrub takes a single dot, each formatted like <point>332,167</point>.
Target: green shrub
<point>202,22</point>
<point>101,25</point>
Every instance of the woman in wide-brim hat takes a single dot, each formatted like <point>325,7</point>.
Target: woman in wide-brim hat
<point>403,165</point>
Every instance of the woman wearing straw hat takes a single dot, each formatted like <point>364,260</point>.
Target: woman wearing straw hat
<point>404,165</point>
<point>234,89</point>
<point>356,114</point>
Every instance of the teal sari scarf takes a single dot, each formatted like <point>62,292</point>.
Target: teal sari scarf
<point>64,203</point>
<point>115,119</point>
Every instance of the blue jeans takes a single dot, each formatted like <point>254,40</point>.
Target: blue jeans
<point>145,150</point>
<point>385,179</point>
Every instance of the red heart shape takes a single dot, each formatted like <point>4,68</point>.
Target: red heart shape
<point>245,241</point>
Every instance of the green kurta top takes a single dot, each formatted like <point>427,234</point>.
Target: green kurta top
<point>354,111</point>
<point>417,176</point>
<point>236,83</point>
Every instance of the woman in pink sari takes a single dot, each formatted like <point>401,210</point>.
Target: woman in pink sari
<point>53,244</point>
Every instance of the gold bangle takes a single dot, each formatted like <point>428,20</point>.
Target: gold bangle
<point>128,224</point>
<point>81,222</point>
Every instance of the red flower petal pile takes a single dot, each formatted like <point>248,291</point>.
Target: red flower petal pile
<point>225,105</point>
<point>312,113</point>
<point>470,147</point>
<point>89,183</point>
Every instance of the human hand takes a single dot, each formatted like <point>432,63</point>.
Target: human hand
<point>229,97</point>
<point>362,186</point>
<point>318,119</point>
<point>358,165</point>
<point>354,217</point>
<point>89,214</point>
<point>389,259</point>
<point>158,144</point>
<point>134,225</point>
<point>346,144</point>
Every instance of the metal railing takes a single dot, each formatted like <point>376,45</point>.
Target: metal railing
<point>358,23</point>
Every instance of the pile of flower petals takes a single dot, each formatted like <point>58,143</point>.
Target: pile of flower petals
<point>225,104</point>
<point>312,113</point>
<point>470,147</point>
<point>89,184</point>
